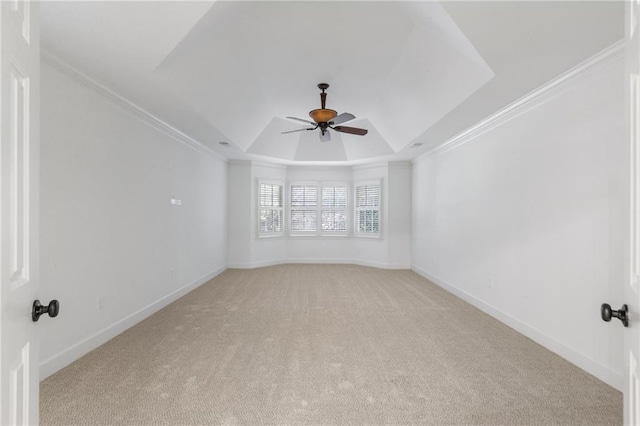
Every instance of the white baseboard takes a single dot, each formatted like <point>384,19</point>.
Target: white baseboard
<point>321,261</point>
<point>69,355</point>
<point>602,372</point>
<point>314,260</point>
<point>381,265</point>
<point>261,264</point>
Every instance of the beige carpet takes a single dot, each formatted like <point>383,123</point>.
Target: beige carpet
<point>323,344</point>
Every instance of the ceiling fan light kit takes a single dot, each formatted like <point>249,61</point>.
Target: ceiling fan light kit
<point>322,115</point>
<point>326,119</point>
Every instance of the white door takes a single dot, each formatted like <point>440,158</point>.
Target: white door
<point>19,166</point>
<point>632,284</point>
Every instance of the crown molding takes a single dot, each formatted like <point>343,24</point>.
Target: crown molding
<point>376,165</point>
<point>532,99</point>
<point>126,105</point>
<point>267,165</point>
<point>319,168</point>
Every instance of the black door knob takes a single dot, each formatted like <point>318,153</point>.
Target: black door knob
<point>53,308</point>
<point>607,313</point>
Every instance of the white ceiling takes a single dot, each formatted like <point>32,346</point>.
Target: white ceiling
<point>410,71</point>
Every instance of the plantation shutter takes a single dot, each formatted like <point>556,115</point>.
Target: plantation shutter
<point>270,214</point>
<point>304,208</point>
<point>334,209</point>
<point>368,209</point>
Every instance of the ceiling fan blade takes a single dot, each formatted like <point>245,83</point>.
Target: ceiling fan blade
<point>326,137</point>
<point>303,120</point>
<point>341,118</point>
<point>351,130</point>
<point>298,130</point>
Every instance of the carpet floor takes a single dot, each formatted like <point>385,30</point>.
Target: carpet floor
<point>323,344</point>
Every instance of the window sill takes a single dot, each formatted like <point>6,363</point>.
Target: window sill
<point>269,237</point>
<point>319,236</point>
<point>369,237</point>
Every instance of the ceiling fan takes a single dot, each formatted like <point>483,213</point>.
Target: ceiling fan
<point>326,119</point>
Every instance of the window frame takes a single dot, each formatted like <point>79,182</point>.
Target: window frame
<point>281,209</point>
<point>357,209</point>
<point>318,209</point>
<point>291,208</point>
<point>322,209</point>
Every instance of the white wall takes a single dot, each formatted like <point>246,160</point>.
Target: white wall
<point>524,220</point>
<point>399,214</point>
<point>240,218</point>
<point>246,250</point>
<point>109,235</point>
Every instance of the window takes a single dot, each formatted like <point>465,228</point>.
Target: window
<point>304,208</point>
<point>319,209</point>
<point>334,209</point>
<point>368,209</point>
<point>270,214</point>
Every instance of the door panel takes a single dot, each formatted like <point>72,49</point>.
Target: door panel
<point>19,151</point>
<point>632,274</point>
<point>18,176</point>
